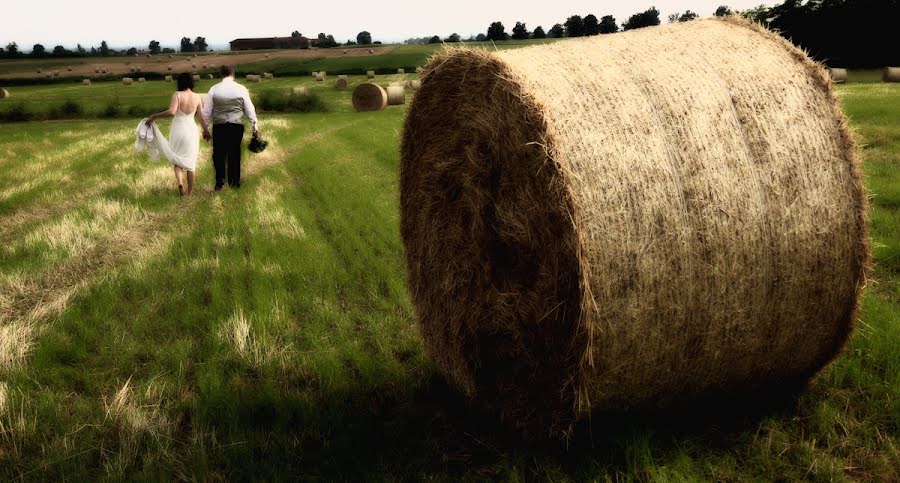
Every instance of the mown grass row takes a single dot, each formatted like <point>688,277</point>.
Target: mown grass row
<point>265,333</point>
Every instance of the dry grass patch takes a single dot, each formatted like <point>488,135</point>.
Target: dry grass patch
<point>272,218</point>
<point>255,348</point>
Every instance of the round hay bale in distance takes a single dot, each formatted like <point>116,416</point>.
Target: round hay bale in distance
<point>127,81</point>
<point>340,84</point>
<point>396,95</point>
<point>891,74</point>
<point>320,77</point>
<point>169,67</point>
<point>300,91</point>
<point>196,77</point>
<point>413,85</point>
<point>838,75</point>
<point>86,82</point>
<point>342,76</point>
<point>69,68</point>
<point>168,78</point>
<point>665,240</point>
<point>401,71</point>
<point>142,79</point>
<point>370,74</point>
<point>4,94</point>
<point>269,75</point>
<point>369,97</point>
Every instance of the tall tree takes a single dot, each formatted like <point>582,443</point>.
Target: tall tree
<point>480,38</point>
<point>453,38</point>
<point>131,51</point>
<point>364,38</point>
<point>647,18</point>
<point>722,11</point>
<point>574,26</point>
<point>186,45</point>
<point>296,33</point>
<point>104,48</point>
<point>80,50</point>
<point>496,31</point>
<point>557,31</point>
<point>200,44</point>
<point>520,31</point>
<point>608,25</point>
<point>682,17</point>
<point>38,50</point>
<point>154,47</point>
<point>434,40</point>
<point>60,51</point>
<point>12,49</point>
<point>591,25</point>
<point>539,33</point>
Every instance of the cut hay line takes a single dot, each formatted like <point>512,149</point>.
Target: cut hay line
<point>891,74</point>
<point>369,97</point>
<point>686,221</point>
<point>396,95</point>
<point>838,76</point>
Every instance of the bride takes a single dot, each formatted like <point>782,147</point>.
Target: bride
<point>183,146</point>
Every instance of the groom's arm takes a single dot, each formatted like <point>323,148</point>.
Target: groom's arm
<point>250,111</point>
<point>208,104</point>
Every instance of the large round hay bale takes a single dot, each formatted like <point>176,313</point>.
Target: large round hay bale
<point>838,75</point>
<point>269,75</point>
<point>168,78</point>
<point>169,67</point>
<point>131,69</point>
<point>300,91</point>
<point>396,95</point>
<point>127,81</point>
<point>686,222</point>
<point>340,84</point>
<point>369,97</point>
<point>86,82</point>
<point>320,77</point>
<point>370,74</point>
<point>4,94</point>
<point>142,79</point>
<point>401,71</point>
<point>891,74</point>
<point>196,77</point>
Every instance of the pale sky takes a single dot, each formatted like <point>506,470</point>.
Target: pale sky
<point>127,23</point>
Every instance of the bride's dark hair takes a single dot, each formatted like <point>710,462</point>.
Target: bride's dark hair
<point>185,82</point>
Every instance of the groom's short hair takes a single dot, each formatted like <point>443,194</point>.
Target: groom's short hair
<point>226,70</point>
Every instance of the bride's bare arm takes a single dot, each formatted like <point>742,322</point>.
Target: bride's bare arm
<point>173,107</point>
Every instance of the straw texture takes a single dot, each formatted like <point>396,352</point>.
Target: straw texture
<point>369,97</point>
<point>340,84</point>
<point>630,221</point>
<point>396,95</point>
<point>891,74</point>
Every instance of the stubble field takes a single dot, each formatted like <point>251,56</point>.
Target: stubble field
<point>266,332</point>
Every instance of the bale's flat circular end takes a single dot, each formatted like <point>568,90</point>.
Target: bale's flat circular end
<point>491,249</point>
<point>4,93</point>
<point>369,97</point>
<point>891,74</point>
<point>340,84</point>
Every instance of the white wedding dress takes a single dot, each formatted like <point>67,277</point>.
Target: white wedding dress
<point>181,149</point>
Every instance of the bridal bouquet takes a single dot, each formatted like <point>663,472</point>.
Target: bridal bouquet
<point>258,145</point>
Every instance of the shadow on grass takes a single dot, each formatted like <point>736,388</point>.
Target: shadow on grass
<point>431,431</point>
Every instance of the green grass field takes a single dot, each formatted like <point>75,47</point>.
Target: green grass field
<point>266,333</point>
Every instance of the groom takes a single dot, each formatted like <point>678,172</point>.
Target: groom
<point>225,106</point>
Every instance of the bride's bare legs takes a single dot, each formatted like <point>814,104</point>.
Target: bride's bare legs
<point>190,180</point>
<point>178,179</point>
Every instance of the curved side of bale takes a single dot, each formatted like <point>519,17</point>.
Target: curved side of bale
<point>838,75</point>
<point>269,75</point>
<point>4,94</point>
<point>86,82</point>
<point>300,90</point>
<point>127,81</point>
<point>342,76</point>
<point>396,95</point>
<point>168,78</point>
<point>369,97</point>
<point>320,77</point>
<point>142,79</point>
<point>340,84</point>
<point>694,226</point>
<point>401,71</point>
<point>370,74</point>
<point>891,74</point>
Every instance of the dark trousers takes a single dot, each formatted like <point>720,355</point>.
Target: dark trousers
<point>227,153</point>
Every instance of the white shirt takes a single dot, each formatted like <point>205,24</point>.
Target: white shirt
<point>229,102</point>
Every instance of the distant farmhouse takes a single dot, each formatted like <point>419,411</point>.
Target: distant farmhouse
<point>293,42</point>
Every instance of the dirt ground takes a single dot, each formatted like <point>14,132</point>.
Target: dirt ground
<point>26,68</point>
